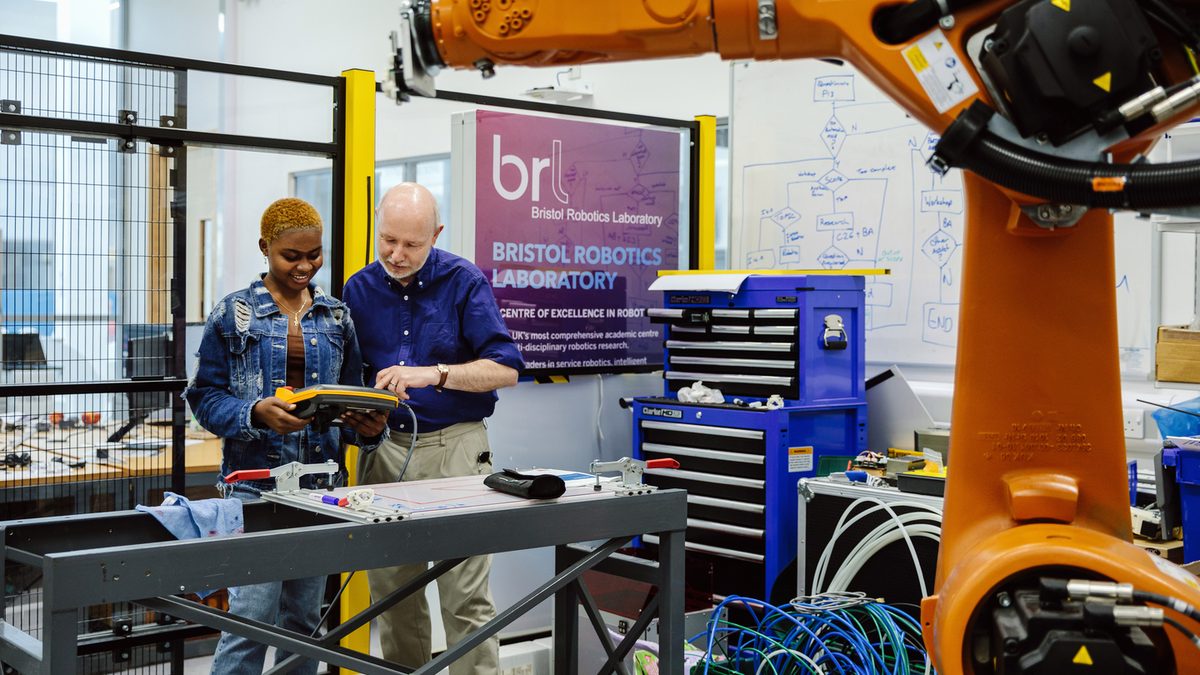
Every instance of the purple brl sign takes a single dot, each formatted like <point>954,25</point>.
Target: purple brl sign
<point>573,221</point>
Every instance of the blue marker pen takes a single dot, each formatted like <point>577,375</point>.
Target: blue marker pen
<point>332,500</point>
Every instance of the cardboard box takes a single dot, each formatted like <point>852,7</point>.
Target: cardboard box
<point>1178,355</point>
<point>1171,550</point>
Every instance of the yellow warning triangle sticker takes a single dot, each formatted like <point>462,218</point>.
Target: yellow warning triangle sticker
<point>1104,81</point>
<point>1082,657</point>
<point>1064,5</point>
<point>937,45</point>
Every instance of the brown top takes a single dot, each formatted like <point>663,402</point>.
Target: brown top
<point>294,377</point>
<point>295,356</point>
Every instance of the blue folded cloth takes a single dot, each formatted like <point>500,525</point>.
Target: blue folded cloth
<point>187,519</point>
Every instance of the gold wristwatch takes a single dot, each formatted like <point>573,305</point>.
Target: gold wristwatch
<point>443,373</point>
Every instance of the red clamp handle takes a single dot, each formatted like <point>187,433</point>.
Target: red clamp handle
<point>665,463</point>
<point>247,474</point>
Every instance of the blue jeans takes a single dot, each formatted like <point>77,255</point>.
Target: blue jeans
<point>293,605</point>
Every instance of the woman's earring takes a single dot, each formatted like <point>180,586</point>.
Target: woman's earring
<point>265,261</point>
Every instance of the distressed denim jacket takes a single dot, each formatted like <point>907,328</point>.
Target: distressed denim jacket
<point>243,359</point>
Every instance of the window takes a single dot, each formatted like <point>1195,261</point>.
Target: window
<point>27,280</point>
<point>432,171</point>
<point>316,188</point>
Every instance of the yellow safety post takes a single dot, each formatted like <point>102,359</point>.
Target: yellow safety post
<point>707,182</point>
<point>359,230</point>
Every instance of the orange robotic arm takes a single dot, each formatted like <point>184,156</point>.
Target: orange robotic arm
<point>1038,496</point>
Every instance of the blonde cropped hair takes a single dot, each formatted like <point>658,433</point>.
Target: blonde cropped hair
<point>288,214</point>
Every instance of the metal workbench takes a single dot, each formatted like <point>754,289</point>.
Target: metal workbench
<point>128,556</point>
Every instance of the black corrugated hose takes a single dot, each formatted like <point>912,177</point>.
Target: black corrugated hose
<point>899,23</point>
<point>969,145</point>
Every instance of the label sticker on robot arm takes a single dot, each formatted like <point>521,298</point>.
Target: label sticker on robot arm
<point>940,70</point>
<point>800,459</point>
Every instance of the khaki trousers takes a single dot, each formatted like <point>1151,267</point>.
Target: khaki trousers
<point>463,591</point>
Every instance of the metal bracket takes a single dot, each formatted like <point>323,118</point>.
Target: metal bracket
<point>166,151</point>
<point>1053,216</point>
<point>768,26</point>
<point>127,117</point>
<point>303,499</point>
<point>10,137</point>
<point>10,105</point>
<point>126,145</point>
<point>947,20</point>
<point>409,74</point>
<point>805,491</point>
<point>166,121</point>
<point>631,474</point>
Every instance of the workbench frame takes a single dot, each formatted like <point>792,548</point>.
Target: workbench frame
<point>128,556</point>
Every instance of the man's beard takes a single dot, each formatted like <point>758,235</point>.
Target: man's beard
<point>412,271</point>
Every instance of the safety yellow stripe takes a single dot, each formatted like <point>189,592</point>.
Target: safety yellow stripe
<point>356,254</point>
<point>360,171</point>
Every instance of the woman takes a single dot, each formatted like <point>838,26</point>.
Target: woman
<point>280,330</point>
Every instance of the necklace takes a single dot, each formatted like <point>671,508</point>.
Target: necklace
<point>295,313</point>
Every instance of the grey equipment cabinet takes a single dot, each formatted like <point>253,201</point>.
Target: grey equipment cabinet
<point>870,551</point>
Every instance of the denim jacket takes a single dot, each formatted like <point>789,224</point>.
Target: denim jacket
<point>243,359</point>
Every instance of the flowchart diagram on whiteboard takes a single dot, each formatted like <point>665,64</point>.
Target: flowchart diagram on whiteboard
<point>851,190</point>
<point>829,174</point>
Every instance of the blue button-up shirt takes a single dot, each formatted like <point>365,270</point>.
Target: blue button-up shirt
<point>446,314</point>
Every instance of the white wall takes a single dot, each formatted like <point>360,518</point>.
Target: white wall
<point>273,35</point>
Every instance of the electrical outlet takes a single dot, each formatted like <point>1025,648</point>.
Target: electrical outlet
<point>1134,419</point>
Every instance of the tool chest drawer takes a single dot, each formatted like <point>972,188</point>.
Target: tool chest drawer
<point>740,468</point>
<point>796,336</point>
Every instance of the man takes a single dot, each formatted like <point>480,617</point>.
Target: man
<point>430,331</point>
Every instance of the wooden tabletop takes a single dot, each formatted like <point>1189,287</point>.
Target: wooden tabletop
<point>144,452</point>
<point>199,456</point>
<point>47,468</point>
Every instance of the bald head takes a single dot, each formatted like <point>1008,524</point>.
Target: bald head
<point>410,202</point>
<point>407,225</point>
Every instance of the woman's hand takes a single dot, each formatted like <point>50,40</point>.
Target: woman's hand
<point>275,414</point>
<point>366,425</point>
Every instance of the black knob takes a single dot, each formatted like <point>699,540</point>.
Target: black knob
<point>1084,41</point>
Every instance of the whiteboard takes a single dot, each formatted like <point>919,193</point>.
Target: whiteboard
<point>827,173</point>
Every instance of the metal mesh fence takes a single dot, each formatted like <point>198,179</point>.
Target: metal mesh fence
<point>87,266</point>
<point>94,149</point>
<point>66,86</point>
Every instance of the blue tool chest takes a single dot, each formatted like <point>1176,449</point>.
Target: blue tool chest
<point>798,336</point>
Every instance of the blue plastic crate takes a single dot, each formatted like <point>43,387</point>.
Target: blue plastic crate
<point>1187,475</point>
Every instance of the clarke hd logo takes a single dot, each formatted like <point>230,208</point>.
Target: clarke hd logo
<point>529,175</point>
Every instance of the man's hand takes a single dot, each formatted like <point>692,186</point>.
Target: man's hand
<point>275,414</point>
<point>399,379</point>
<point>367,425</point>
